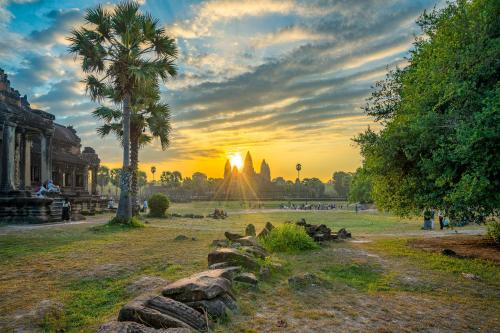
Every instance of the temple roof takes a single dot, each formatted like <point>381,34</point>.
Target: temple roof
<point>66,134</point>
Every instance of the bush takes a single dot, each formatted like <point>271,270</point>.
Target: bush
<point>133,222</point>
<point>494,230</point>
<point>288,238</point>
<point>158,204</point>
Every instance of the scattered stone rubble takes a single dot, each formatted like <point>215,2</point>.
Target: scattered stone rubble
<point>321,233</point>
<point>218,214</point>
<point>188,304</point>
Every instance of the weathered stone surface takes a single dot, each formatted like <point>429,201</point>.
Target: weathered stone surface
<point>234,258</point>
<point>161,312</point>
<point>132,327</point>
<point>247,241</point>
<point>304,280</point>
<point>215,307</point>
<point>232,236</point>
<point>197,288</point>
<point>146,284</point>
<point>248,278</point>
<point>181,238</point>
<point>226,272</point>
<point>220,243</point>
<point>343,233</point>
<point>250,230</point>
<point>219,265</point>
<point>256,251</point>
<point>267,228</point>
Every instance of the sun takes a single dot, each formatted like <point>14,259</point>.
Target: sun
<point>236,160</point>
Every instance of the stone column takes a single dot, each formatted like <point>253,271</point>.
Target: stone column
<point>73,179</point>
<point>27,162</point>
<point>22,161</point>
<point>94,180</point>
<point>46,158</point>
<point>17,161</point>
<point>86,180</point>
<point>8,150</point>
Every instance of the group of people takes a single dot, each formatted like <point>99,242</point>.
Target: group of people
<point>429,217</point>
<point>47,187</point>
<point>307,206</point>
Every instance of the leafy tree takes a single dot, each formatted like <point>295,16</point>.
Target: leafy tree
<point>341,183</point>
<point>103,177</point>
<point>439,145</point>
<point>115,175</point>
<point>313,187</point>
<point>149,119</point>
<point>122,51</point>
<point>172,179</point>
<point>361,187</point>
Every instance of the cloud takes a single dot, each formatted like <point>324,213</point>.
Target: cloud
<point>64,20</point>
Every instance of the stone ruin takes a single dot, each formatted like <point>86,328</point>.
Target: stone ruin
<point>35,149</point>
<point>321,233</point>
<point>189,304</point>
<point>218,214</point>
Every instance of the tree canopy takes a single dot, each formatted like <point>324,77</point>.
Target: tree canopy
<point>439,144</point>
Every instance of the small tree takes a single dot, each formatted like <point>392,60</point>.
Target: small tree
<point>158,204</point>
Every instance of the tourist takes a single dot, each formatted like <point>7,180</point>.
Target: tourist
<point>441,220</point>
<point>66,210</point>
<point>53,188</point>
<point>41,192</point>
<point>145,206</point>
<point>111,203</point>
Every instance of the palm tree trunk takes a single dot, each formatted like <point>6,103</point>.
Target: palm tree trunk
<point>134,166</point>
<point>124,211</point>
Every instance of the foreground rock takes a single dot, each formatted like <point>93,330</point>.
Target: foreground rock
<point>267,228</point>
<point>132,327</point>
<point>247,278</point>
<point>197,288</point>
<point>321,233</point>
<point>215,307</point>
<point>162,312</point>
<point>224,272</point>
<point>232,236</point>
<point>233,257</point>
<point>250,230</point>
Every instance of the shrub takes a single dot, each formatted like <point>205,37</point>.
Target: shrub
<point>133,222</point>
<point>288,238</point>
<point>494,230</point>
<point>158,204</point>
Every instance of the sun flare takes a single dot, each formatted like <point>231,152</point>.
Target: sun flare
<point>236,160</point>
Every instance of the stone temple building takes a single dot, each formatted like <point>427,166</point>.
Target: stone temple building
<point>35,149</point>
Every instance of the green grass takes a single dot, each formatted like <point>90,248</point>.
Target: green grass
<point>487,270</point>
<point>364,277</point>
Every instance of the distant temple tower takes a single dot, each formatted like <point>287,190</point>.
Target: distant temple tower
<point>248,169</point>
<point>265,171</point>
<point>227,169</point>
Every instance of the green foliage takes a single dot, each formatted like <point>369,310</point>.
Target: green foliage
<point>132,222</point>
<point>288,237</point>
<point>158,204</point>
<point>341,183</point>
<point>361,187</point>
<point>441,115</point>
<point>494,230</point>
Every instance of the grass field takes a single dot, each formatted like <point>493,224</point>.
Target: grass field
<point>373,283</point>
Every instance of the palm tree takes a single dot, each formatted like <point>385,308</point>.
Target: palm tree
<point>103,177</point>
<point>122,50</point>
<point>153,171</point>
<point>146,122</point>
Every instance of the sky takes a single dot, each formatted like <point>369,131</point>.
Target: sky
<point>283,79</point>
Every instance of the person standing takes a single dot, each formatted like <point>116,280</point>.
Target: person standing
<point>145,206</point>
<point>66,210</point>
<point>441,220</point>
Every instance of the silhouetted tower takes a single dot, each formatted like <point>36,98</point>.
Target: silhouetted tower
<point>265,171</point>
<point>227,169</point>
<point>248,169</point>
